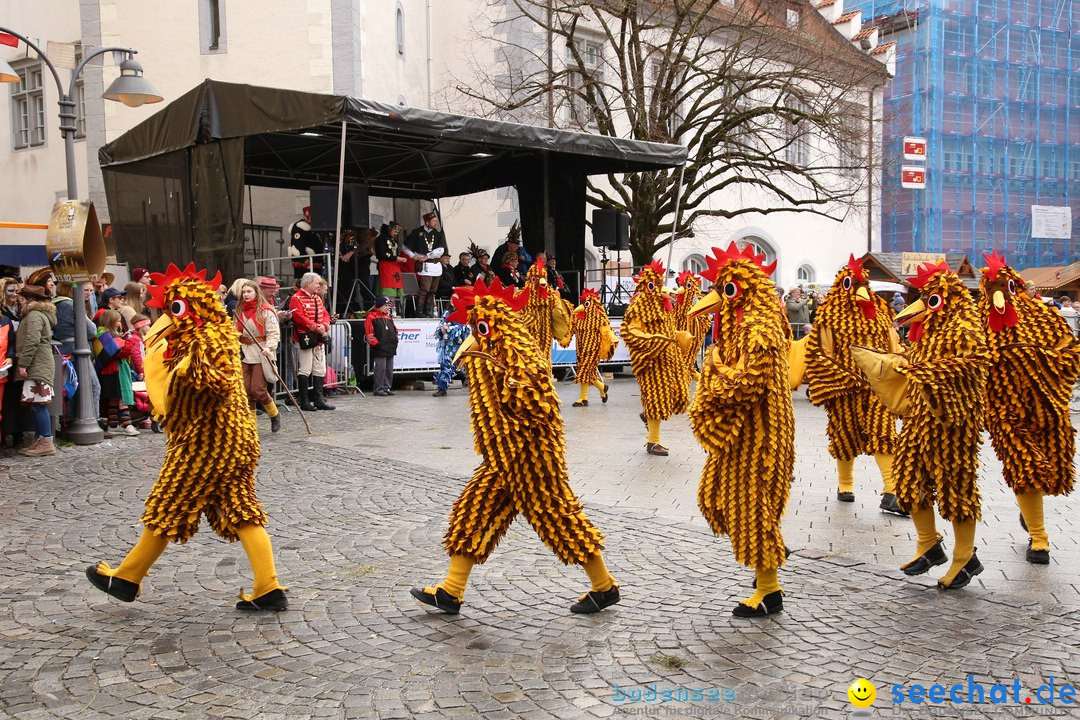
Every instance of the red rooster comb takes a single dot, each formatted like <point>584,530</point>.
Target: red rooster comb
<point>927,271</point>
<point>589,295</point>
<point>686,275</point>
<point>720,258</point>
<point>465,297</point>
<point>656,266</point>
<point>163,280</point>
<point>856,268</point>
<point>994,263</point>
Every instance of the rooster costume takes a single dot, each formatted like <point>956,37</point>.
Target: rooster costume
<point>519,433</point>
<point>937,455</point>
<point>656,353</point>
<point>859,422</point>
<point>194,380</point>
<point>742,416</point>
<point>596,343</point>
<point>688,294</point>
<point>1035,361</point>
<point>544,314</point>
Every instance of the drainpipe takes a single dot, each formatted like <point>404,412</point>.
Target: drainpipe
<point>430,60</point>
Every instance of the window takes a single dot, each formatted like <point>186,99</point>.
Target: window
<point>805,274</point>
<point>758,245</point>
<point>694,263</point>
<point>665,102</point>
<point>585,81</point>
<point>793,19</point>
<point>796,144</point>
<point>80,100</point>
<point>399,28</point>
<point>27,106</point>
<point>211,26</point>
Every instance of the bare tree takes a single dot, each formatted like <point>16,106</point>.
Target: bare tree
<point>766,96</point>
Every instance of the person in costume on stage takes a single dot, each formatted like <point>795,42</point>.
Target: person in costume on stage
<point>595,342</point>
<point>391,260</point>
<point>545,316</point>
<point>859,422</point>
<point>425,245</point>
<point>520,435</point>
<point>743,418</point>
<point>1035,360</point>
<point>657,352</point>
<point>943,390</point>
<point>687,295</point>
<point>196,386</point>
<point>305,241</point>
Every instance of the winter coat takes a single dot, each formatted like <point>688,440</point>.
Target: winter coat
<point>33,342</point>
<point>64,332</point>
<point>381,334</point>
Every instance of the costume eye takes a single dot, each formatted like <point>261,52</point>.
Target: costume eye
<point>178,308</point>
<point>483,328</point>
<point>935,301</point>
<point>588,304</point>
<point>731,290</point>
<point>651,285</point>
<point>1012,286</point>
<point>847,283</point>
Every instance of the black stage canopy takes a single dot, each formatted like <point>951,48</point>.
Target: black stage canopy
<point>174,182</point>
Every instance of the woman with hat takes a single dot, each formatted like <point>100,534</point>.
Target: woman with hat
<point>390,260</point>
<point>37,365</point>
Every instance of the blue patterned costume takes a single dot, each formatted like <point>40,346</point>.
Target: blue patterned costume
<point>450,335</point>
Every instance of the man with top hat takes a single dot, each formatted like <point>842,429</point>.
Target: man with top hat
<point>305,241</point>
<point>426,245</point>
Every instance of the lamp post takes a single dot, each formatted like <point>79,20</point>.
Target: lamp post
<point>132,90</point>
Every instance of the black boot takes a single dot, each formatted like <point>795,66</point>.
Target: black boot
<point>317,394</point>
<point>275,422</point>
<point>302,385</point>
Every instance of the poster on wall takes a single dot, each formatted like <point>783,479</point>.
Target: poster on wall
<point>1052,222</point>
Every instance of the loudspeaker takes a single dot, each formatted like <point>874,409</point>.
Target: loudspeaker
<point>611,229</point>
<point>354,211</point>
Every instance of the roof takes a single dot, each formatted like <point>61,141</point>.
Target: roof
<point>888,267</point>
<point>864,33</point>
<point>825,4</point>
<point>846,17</point>
<point>882,49</point>
<point>1051,278</point>
<point>292,139</point>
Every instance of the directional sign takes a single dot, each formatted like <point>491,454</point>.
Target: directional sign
<point>913,177</point>
<point>914,148</point>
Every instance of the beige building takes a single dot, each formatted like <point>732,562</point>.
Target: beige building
<point>407,52</point>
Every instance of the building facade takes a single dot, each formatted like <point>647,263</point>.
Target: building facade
<point>994,87</point>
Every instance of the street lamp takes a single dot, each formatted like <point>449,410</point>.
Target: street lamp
<point>133,90</point>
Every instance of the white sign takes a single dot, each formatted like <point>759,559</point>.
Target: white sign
<point>913,177</point>
<point>1051,221</point>
<point>914,148</point>
<point>910,262</point>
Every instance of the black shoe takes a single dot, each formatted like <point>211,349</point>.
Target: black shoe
<point>117,587</point>
<point>594,602</point>
<point>891,506</point>
<point>441,599</point>
<point>274,600</point>
<point>772,604</point>
<point>317,397</point>
<point>972,568</point>
<point>934,556</point>
<point>389,392</point>
<point>1037,557</point>
<point>439,393</point>
<point>380,393</point>
<point>1023,522</point>
<point>603,395</point>
<point>303,389</point>
<point>275,423</point>
<point>581,403</point>
<point>845,496</point>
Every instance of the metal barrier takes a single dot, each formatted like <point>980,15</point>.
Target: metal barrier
<point>339,359</point>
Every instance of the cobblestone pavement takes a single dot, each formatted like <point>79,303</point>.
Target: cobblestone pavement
<point>357,512</point>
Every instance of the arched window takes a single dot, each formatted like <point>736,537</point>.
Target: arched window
<point>694,263</point>
<point>399,28</point>
<point>759,246</point>
<point>806,274</point>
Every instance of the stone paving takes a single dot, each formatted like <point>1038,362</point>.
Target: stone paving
<point>357,512</point>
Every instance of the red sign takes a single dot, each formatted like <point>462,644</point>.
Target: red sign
<point>912,178</point>
<point>914,148</point>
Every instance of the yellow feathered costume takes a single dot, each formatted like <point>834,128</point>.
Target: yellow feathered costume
<point>519,434</point>
<point>688,294</point>
<point>595,343</point>
<point>545,315</point>
<point>742,416</point>
<point>1035,362</point>
<point>937,455</point>
<point>859,422</point>
<point>656,355</point>
<point>195,383</point>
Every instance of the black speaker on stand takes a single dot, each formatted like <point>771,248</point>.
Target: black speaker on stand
<point>611,229</point>
<point>355,212</point>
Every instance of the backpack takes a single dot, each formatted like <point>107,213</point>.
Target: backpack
<point>71,379</point>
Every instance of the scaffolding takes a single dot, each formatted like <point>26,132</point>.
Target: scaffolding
<point>993,87</point>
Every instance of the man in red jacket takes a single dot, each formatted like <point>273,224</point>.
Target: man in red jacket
<point>311,330</point>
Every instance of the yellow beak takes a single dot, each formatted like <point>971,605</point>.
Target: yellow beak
<point>862,294</point>
<point>705,304</point>
<point>999,300</point>
<point>579,308</point>
<point>469,344</point>
<point>680,291</point>
<point>912,312</point>
<point>159,332</point>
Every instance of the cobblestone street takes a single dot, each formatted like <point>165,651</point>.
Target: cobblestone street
<point>357,513</point>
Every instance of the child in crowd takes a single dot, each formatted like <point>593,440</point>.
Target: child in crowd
<point>382,336</point>
<point>140,326</point>
<point>112,359</point>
